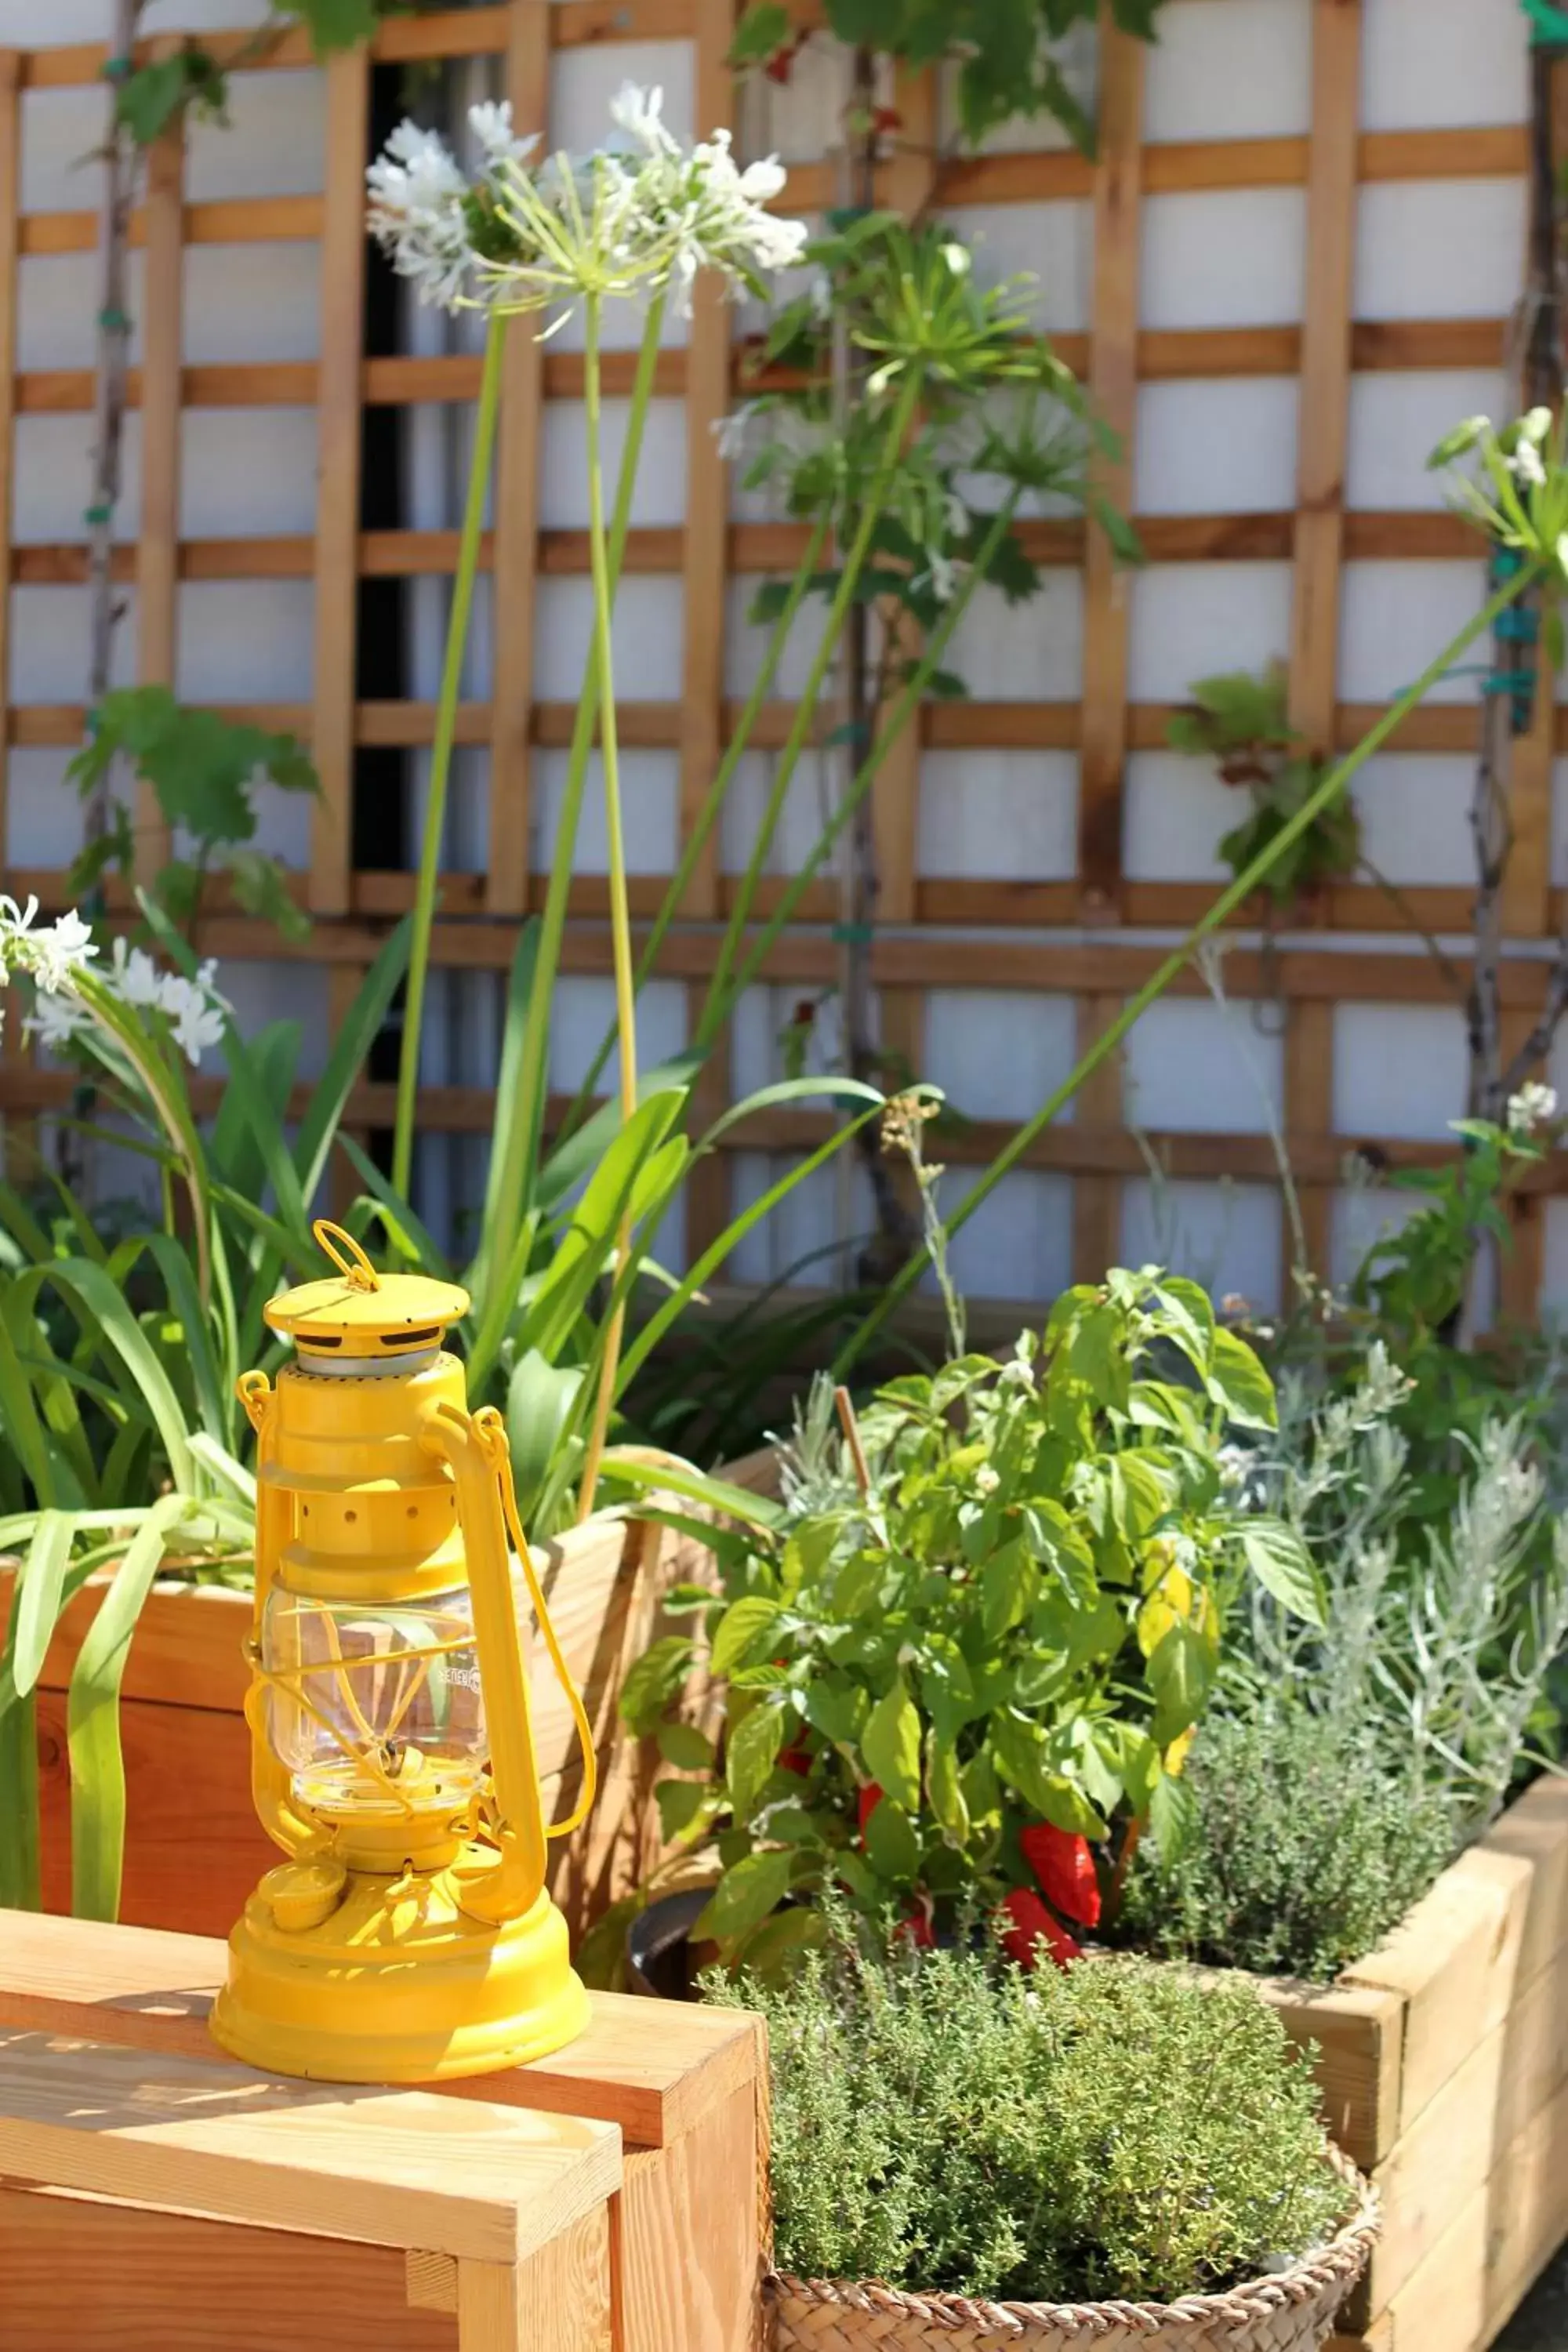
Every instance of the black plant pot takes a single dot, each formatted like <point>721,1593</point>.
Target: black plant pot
<point>661,1959</point>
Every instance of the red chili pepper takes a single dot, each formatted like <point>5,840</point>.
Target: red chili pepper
<point>918,1930</point>
<point>1032,1926</point>
<point>1064,1868</point>
<point>870,1798</point>
<point>794,1759</point>
<point>886,118</point>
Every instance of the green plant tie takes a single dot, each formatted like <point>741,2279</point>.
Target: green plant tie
<point>116,322</point>
<point>853,935</point>
<point>1548,24</point>
<point>119,68</point>
<point>97,514</point>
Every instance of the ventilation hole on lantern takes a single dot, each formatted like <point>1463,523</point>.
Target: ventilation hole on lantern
<point>414,1510</point>
<point>351,1517</point>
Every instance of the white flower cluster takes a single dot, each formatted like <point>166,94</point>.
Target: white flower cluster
<point>1534,1106</point>
<point>419,202</point>
<point>644,217</point>
<point>193,1008</point>
<point>47,952</point>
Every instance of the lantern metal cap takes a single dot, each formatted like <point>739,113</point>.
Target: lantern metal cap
<point>361,1314</point>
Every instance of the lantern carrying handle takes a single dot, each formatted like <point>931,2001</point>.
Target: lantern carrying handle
<point>355,1268</point>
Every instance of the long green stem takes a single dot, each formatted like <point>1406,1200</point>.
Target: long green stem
<point>532,1083</point>
<point>1235,895</point>
<point>902,713</point>
<point>713,806</point>
<point>718,998</point>
<point>441,755</point>
<point>620,916</point>
<point>519,1148</point>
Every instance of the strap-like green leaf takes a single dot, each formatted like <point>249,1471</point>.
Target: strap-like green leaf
<point>92,1719</point>
<point>36,1600</point>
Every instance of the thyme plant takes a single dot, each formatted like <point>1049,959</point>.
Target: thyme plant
<point>1111,2129</point>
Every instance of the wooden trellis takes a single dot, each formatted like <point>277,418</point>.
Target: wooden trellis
<point>935,931</point>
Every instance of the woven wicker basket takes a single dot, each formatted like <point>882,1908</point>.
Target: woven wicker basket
<point>1290,2312</point>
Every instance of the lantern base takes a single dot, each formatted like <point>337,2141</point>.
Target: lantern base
<point>396,1984</point>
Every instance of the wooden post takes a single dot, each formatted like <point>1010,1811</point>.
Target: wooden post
<point>18,1131</point>
<point>703,582</point>
<point>158,549</point>
<point>1113,382</point>
<point>516,517</point>
<point>338,488</point>
<point>1320,529</point>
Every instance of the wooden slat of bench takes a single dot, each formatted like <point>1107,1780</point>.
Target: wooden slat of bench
<point>652,2072</point>
<point>385,2167</point>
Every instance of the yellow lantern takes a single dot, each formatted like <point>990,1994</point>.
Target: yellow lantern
<point>409,1936</point>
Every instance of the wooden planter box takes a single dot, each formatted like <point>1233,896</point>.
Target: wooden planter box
<point>1444,2068</point>
<point>194,1850</point>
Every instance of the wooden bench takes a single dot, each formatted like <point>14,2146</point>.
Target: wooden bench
<point>632,2165</point>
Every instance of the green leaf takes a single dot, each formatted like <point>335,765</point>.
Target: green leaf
<point>1173,1818</point>
<point>762,31</point>
<point>891,1745</point>
<point>686,1747</point>
<point>944,1786</point>
<point>336,24</point>
<point>838,1711</point>
<point>1280,1561</point>
<point>744,1897</point>
<point>658,1676</point>
<point>1238,1383</point>
<point>37,1601</point>
<point>666,1477</point>
<point>92,1718</point>
<point>682,1804</point>
<point>539,1401</point>
<point>1181,1674</point>
<point>753,1749</point>
<point>1008,1583</point>
<point>745,1631</point>
<point>891,1846</point>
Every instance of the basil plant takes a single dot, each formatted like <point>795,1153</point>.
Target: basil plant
<point>965,1665</point>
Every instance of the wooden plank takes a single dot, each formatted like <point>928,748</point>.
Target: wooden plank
<point>1455,1960</point>
<point>693,2238</point>
<point>516,510</point>
<point>1113,377</point>
<point>558,2301</point>
<point>707,532</point>
<point>18,1135</point>
<point>158,544</point>
<point>1097,1199</point>
<point>388,2168</point>
<point>338,495</point>
<point>1319,534</point>
<point>1358,2034</point>
<point>1461,2140</point>
<point>82,2275</point>
<point>150,1990</point>
<point>1165,354</point>
<point>1463,2294</point>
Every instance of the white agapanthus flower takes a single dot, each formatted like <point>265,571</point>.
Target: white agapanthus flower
<point>47,952</point>
<point>1533,1107</point>
<point>638,216</point>
<point>193,1007</point>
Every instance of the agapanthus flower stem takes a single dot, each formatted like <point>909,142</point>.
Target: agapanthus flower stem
<point>441,754</point>
<point>531,1084</point>
<point>712,807</point>
<point>620,915</point>
<point>717,1002</point>
<point>1232,896</point>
